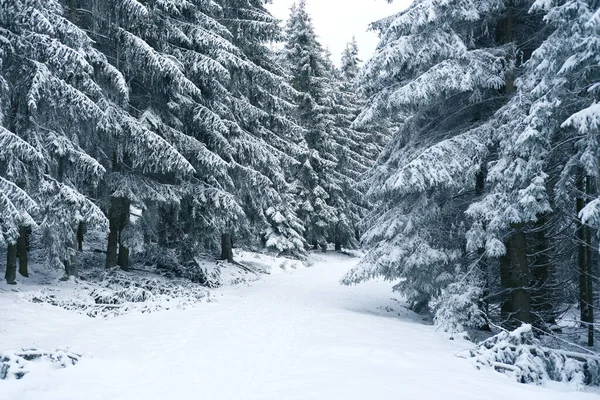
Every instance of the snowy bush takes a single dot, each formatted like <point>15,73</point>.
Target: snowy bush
<point>113,293</point>
<point>456,309</point>
<point>520,354</point>
<point>18,364</point>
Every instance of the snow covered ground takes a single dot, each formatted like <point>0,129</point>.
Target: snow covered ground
<point>296,334</point>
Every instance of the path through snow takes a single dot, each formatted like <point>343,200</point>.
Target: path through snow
<point>293,335</point>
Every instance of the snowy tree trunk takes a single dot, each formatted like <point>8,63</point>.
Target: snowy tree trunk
<point>226,247</point>
<point>22,245</point>
<point>11,264</point>
<point>71,266</point>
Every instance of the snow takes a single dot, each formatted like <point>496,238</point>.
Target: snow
<point>296,334</point>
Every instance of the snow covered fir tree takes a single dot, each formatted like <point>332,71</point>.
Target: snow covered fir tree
<point>487,194</point>
<point>145,144</point>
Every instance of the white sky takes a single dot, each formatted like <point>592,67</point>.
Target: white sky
<point>336,21</point>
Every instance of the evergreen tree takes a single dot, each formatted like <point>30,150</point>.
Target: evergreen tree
<point>307,65</point>
<point>546,169</point>
<point>268,142</point>
<point>441,70</point>
<point>53,107</point>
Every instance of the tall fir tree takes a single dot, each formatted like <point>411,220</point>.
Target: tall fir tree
<point>431,58</point>
<point>308,68</point>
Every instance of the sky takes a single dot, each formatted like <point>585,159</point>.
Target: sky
<point>336,21</point>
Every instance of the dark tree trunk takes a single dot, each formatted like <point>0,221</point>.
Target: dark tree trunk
<point>585,262</point>
<point>589,272</point>
<point>508,37</point>
<point>481,264</point>
<point>338,243</point>
<point>506,307</point>
<point>11,264</point>
<point>543,277</point>
<point>113,234</point>
<point>73,5</point>
<point>515,281</point>
<point>589,293</point>
<point>123,258</point>
<point>226,247</point>
<point>80,235</point>
<point>118,217</point>
<point>521,296</point>
<point>22,245</point>
<point>163,226</point>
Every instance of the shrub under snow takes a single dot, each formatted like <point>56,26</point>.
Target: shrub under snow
<point>113,293</point>
<point>520,354</point>
<point>18,364</point>
<point>456,309</point>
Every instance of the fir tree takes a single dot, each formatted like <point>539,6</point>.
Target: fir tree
<point>441,71</point>
<point>307,65</point>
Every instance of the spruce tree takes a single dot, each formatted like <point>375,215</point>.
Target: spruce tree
<point>304,58</point>
<point>53,107</point>
<point>441,71</point>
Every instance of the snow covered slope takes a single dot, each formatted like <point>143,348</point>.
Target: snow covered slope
<point>296,334</point>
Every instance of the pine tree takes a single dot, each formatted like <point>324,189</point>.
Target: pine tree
<point>304,57</point>
<point>355,150</point>
<point>441,71</point>
<point>53,107</point>
<point>268,142</point>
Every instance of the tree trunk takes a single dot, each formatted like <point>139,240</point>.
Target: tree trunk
<point>338,243</point>
<point>589,294</point>
<point>515,281</point>
<point>543,275</point>
<point>584,261</point>
<point>113,234</point>
<point>22,245</point>
<point>480,179</point>
<point>73,11</point>
<point>11,264</point>
<point>521,296</point>
<point>80,235</point>
<point>508,37</point>
<point>226,247</point>
<point>71,267</point>
<point>589,273</point>
<point>123,258</point>
<point>506,307</point>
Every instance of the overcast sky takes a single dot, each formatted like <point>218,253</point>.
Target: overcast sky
<point>336,21</point>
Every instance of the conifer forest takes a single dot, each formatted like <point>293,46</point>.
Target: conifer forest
<point>168,154</point>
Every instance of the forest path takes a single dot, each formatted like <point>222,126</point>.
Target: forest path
<point>292,335</point>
